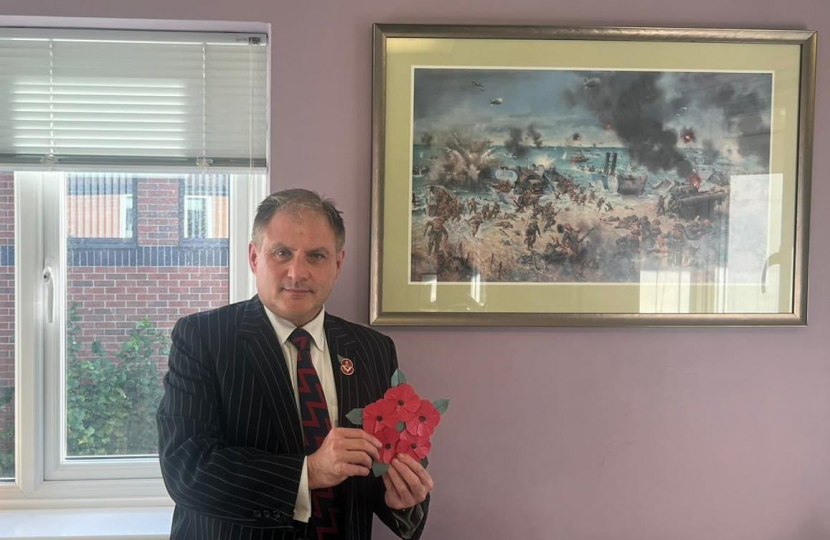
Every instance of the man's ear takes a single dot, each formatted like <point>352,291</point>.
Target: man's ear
<point>252,257</point>
<point>339,261</point>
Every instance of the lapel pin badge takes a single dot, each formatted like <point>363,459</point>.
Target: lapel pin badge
<point>346,365</point>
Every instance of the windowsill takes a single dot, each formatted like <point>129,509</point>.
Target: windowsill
<point>152,523</point>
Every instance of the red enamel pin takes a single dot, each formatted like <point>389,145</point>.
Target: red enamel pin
<point>346,365</point>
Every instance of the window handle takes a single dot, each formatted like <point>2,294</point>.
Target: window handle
<point>49,280</point>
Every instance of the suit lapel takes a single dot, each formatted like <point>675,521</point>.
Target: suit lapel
<point>264,354</point>
<point>342,346</point>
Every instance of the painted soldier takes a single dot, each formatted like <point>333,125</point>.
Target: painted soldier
<point>550,216</point>
<point>570,237</point>
<point>661,205</point>
<point>475,222</point>
<point>432,201</point>
<point>496,210</point>
<point>676,243</point>
<point>531,232</point>
<point>435,231</point>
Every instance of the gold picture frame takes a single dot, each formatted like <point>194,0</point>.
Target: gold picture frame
<point>631,176</point>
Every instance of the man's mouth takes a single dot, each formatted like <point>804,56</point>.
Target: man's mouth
<point>296,290</point>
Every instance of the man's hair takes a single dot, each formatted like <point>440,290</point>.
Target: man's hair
<point>298,200</point>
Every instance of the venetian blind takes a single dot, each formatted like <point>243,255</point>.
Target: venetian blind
<point>97,97</point>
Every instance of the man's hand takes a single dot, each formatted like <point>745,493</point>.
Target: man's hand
<point>407,483</point>
<point>345,452</point>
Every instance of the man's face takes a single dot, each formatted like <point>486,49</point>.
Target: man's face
<point>296,264</point>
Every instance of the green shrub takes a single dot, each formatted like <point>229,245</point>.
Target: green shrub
<point>111,403</point>
<point>6,435</point>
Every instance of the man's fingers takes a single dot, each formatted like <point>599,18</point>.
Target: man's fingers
<point>400,484</point>
<point>405,471</point>
<point>390,487</point>
<point>417,468</point>
<point>361,445</point>
<point>416,486</point>
<point>354,433</point>
<point>358,458</point>
<point>354,445</point>
<point>350,469</point>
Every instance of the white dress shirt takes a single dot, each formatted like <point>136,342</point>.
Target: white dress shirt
<point>322,364</point>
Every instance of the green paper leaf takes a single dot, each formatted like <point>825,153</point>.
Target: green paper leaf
<point>424,463</point>
<point>398,377</point>
<point>355,417</point>
<point>442,405</point>
<point>379,468</point>
<point>401,426</point>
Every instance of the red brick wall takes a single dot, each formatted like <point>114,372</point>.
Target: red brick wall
<point>158,212</point>
<point>112,299</point>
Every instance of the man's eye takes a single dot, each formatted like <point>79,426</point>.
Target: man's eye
<point>317,256</point>
<point>281,253</point>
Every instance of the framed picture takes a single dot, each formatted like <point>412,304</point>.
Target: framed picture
<point>539,176</point>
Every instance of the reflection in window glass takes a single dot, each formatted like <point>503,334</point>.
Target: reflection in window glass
<point>206,206</point>
<point>100,206</point>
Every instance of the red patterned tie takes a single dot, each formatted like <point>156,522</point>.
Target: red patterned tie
<point>316,424</point>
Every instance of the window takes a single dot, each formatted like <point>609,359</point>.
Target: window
<point>198,223</point>
<point>99,209</point>
<point>205,202</point>
<point>130,168</point>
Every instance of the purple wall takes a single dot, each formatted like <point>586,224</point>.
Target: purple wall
<point>574,434</point>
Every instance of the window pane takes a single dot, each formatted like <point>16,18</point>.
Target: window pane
<point>7,294</point>
<point>206,206</point>
<point>124,295</point>
<point>100,207</point>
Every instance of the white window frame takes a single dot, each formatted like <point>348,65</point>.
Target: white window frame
<point>44,478</point>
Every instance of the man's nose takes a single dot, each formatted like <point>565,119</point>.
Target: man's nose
<point>297,269</point>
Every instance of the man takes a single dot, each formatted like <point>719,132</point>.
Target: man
<point>253,439</point>
<point>432,202</point>
<point>435,232</point>
<point>531,232</point>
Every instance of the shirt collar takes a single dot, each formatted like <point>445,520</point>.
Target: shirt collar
<point>283,328</point>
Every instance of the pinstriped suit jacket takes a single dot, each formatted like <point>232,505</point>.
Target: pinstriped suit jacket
<point>230,440</point>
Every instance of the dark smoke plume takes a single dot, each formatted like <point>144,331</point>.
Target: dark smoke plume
<point>536,135</point>
<point>635,107</point>
<point>743,111</point>
<point>514,143</point>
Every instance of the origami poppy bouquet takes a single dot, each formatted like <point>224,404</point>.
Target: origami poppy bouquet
<point>402,421</point>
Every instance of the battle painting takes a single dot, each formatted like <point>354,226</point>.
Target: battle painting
<point>579,176</point>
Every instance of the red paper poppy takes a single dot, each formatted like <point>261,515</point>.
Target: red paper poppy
<point>379,415</point>
<point>414,446</point>
<point>388,438</point>
<point>405,399</point>
<point>424,421</point>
